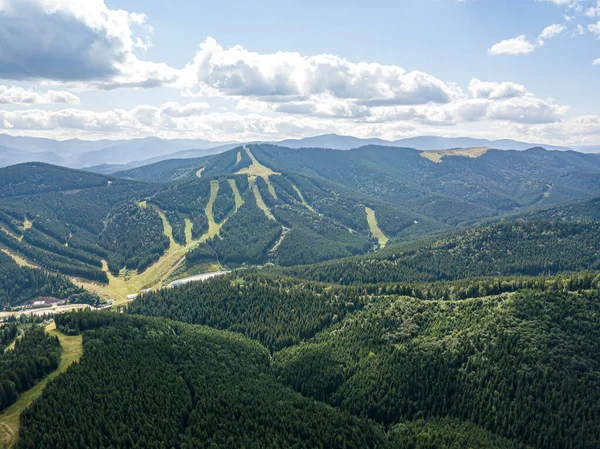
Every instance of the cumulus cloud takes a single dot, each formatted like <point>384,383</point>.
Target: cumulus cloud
<point>516,46</point>
<point>520,45</point>
<point>288,76</point>
<point>549,32</point>
<point>19,95</point>
<point>593,11</point>
<point>596,62</point>
<point>595,29</point>
<point>495,91</point>
<point>74,40</point>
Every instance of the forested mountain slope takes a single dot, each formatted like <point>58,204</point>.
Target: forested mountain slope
<point>523,366</point>
<point>443,186</point>
<point>175,385</point>
<point>450,367</point>
<point>93,227</point>
<point>524,248</point>
<point>264,204</point>
<point>20,284</point>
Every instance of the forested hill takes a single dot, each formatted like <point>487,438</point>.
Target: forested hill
<point>20,284</point>
<point>38,178</point>
<point>522,248</point>
<point>452,187</point>
<point>373,369</point>
<point>86,225</point>
<point>587,210</point>
<point>262,203</point>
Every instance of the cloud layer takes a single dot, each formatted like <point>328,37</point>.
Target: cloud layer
<point>19,95</point>
<point>236,93</point>
<point>74,40</point>
<point>283,76</point>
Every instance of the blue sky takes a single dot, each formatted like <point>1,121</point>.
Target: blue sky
<point>278,69</point>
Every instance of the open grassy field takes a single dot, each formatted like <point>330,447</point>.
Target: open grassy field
<point>438,155</point>
<point>259,170</point>
<point>374,227</point>
<point>259,200</point>
<point>9,420</point>
<point>213,226</point>
<point>199,172</point>
<point>22,262</point>
<point>188,230</point>
<point>239,201</point>
<point>299,193</point>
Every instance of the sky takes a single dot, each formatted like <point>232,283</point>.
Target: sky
<point>270,70</point>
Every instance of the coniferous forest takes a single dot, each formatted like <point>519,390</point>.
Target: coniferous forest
<point>352,315</point>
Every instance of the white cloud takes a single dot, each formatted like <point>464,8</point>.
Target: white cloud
<point>595,29</point>
<point>580,130</point>
<point>520,45</point>
<point>283,77</point>
<point>596,62</point>
<point>19,95</point>
<point>593,11</point>
<point>568,3</point>
<point>516,46</point>
<point>495,91</point>
<point>550,32</point>
<point>76,41</point>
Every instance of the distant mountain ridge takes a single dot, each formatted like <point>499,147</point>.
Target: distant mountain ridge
<point>337,142</point>
<point>132,153</point>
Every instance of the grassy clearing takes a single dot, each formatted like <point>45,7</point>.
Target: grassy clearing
<point>182,271</point>
<point>27,224</point>
<point>168,227</point>
<point>21,261</point>
<point>299,193</point>
<point>239,201</point>
<point>259,200</point>
<point>259,170</point>
<point>238,159</point>
<point>213,227</point>
<point>188,230</point>
<point>438,155</point>
<point>9,420</point>
<point>284,231</point>
<point>199,172</point>
<point>375,230</point>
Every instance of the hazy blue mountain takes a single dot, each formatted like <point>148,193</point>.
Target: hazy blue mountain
<point>77,153</point>
<point>442,143</point>
<point>132,153</point>
<point>337,142</point>
<point>332,141</point>
<point>11,156</point>
<point>588,149</point>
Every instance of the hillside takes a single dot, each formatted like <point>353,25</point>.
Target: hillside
<point>179,386</point>
<point>132,235</point>
<point>526,248</point>
<point>457,367</point>
<point>265,204</point>
<point>446,187</point>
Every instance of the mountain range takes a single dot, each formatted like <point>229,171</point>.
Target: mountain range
<point>110,156</point>
<point>381,297</point>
